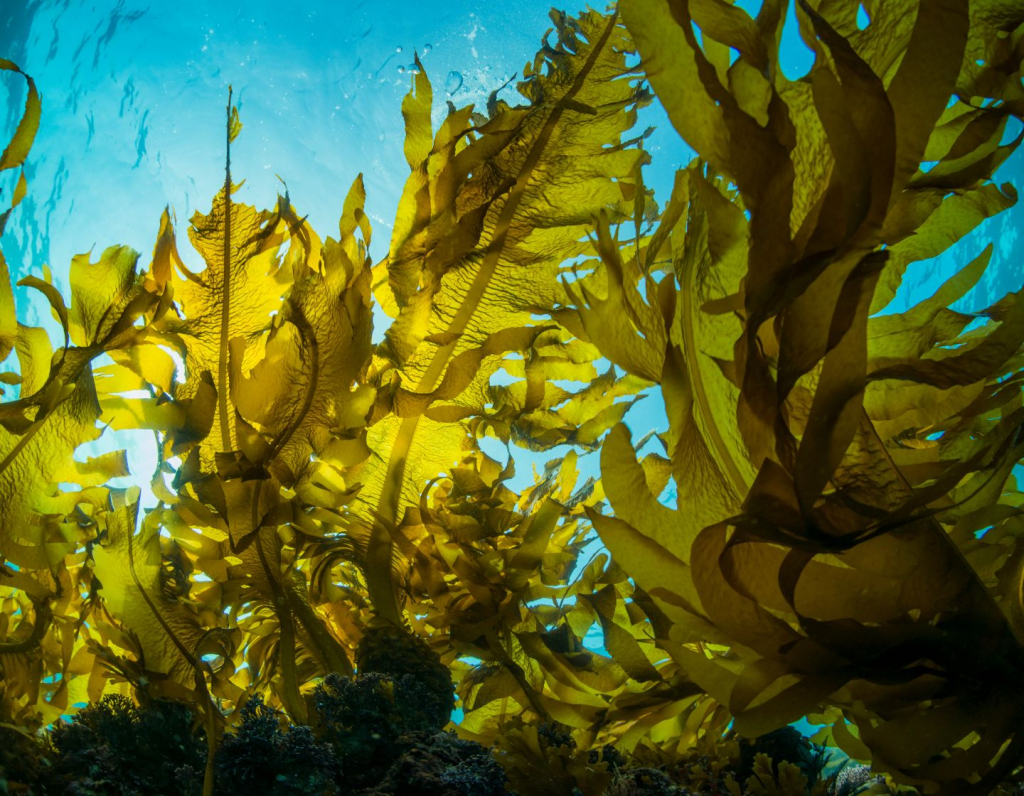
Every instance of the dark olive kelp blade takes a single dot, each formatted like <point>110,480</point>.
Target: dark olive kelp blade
<point>845,578</point>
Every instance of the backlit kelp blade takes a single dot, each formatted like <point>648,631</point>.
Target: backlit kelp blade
<point>493,211</point>
<point>15,153</point>
<point>850,576</point>
<point>51,504</point>
<point>283,320</point>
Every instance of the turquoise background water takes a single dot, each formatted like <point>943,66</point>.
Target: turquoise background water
<point>133,106</point>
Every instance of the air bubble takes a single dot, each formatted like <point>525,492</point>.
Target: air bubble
<point>453,82</point>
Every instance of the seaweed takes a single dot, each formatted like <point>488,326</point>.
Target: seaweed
<point>830,462</point>
<point>113,747</point>
<point>334,559</point>
<point>264,758</point>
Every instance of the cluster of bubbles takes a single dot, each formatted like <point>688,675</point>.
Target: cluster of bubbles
<point>413,68</point>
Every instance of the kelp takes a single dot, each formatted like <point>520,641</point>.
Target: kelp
<point>849,456</point>
<point>283,320</point>
<point>493,210</point>
<point>493,577</point>
<point>843,540</point>
<point>261,382</point>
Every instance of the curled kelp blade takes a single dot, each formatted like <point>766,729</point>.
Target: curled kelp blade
<point>846,577</point>
<point>493,210</point>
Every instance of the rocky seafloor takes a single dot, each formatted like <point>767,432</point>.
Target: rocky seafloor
<point>377,735</point>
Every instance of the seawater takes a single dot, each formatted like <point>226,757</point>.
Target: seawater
<point>133,106</point>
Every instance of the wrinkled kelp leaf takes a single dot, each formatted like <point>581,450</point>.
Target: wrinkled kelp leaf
<point>58,407</point>
<point>491,212</point>
<point>283,320</point>
<point>37,529</point>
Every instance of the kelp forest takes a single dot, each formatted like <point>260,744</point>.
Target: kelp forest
<point>830,531</point>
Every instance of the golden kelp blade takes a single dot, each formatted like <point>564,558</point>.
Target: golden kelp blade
<point>296,336</point>
<point>700,241</point>
<point>491,212</point>
<point>37,529</point>
<point>486,563</point>
<point>13,156</point>
<point>129,566</point>
<point>43,525</point>
<point>58,407</point>
<point>847,576</point>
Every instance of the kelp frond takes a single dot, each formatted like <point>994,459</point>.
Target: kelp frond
<point>843,542</point>
<point>492,211</point>
<point>832,463</point>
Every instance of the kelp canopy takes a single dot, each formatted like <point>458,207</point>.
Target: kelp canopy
<point>834,464</point>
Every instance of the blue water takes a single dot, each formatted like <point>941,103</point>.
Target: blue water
<point>133,108</point>
<point>133,103</point>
